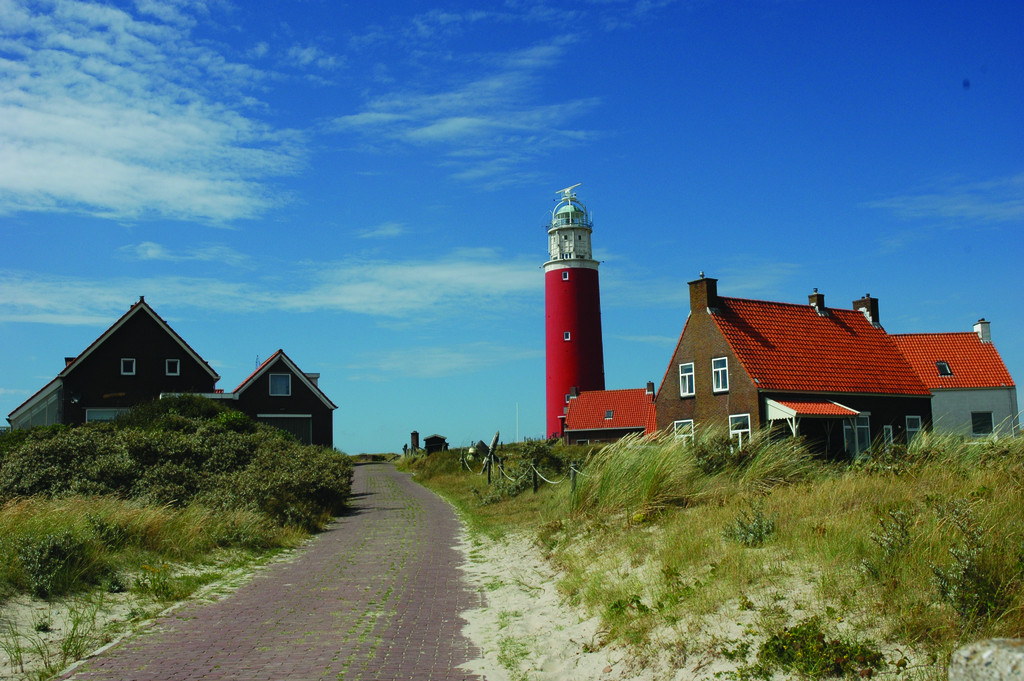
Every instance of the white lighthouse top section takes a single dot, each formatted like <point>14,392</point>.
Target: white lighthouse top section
<point>569,233</point>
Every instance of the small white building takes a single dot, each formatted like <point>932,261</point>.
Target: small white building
<point>972,392</point>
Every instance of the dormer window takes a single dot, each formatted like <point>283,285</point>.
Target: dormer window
<point>127,367</point>
<point>943,368</point>
<point>173,367</point>
<point>608,414</point>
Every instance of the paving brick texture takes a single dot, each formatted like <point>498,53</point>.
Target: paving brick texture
<point>377,596</point>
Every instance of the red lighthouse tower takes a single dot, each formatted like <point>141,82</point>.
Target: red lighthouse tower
<point>575,354</point>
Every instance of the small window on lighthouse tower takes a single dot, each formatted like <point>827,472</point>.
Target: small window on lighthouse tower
<point>565,275</point>
<point>565,336</point>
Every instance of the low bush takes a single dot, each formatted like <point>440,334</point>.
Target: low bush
<point>53,563</point>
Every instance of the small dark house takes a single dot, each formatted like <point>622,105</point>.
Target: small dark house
<point>278,393</point>
<point>135,360</point>
<point>435,443</point>
<point>833,375</point>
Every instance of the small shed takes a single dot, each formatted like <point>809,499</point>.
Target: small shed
<point>435,443</point>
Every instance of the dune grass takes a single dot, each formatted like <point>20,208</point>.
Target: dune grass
<point>912,551</point>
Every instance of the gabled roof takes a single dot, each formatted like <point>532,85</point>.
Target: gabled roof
<point>632,408</point>
<point>140,307</point>
<point>279,355</point>
<point>973,364</point>
<point>790,347</point>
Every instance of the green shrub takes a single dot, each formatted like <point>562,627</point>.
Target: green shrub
<point>53,564</point>
<point>150,415</point>
<point>752,528</point>
<point>804,649</point>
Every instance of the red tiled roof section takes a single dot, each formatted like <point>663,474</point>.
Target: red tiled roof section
<point>632,408</point>
<point>791,347</point>
<point>264,363</point>
<point>817,408</point>
<point>974,364</point>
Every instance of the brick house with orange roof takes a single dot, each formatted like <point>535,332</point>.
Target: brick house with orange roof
<point>609,415</point>
<point>832,375</point>
<point>972,391</point>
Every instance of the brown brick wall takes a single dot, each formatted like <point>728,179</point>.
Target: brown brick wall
<point>700,343</point>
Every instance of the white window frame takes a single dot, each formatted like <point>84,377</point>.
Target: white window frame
<point>177,367</point>
<point>104,414</point>
<point>568,396</point>
<point>739,431</point>
<point>271,386</point>
<point>566,336</point>
<point>992,422</point>
<point>861,441</point>
<point>690,383</point>
<point>609,414</point>
<point>912,431</point>
<point>565,275</point>
<point>683,429</point>
<point>720,375</point>
<point>134,365</point>
<point>583,442</point>
<point>887,437</point>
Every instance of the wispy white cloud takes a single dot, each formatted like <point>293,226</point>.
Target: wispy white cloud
<point>125,116</point>
<point>465,282</point>
<point>488,128</point>
<point>437,362</point>
<point>148,250</point>
<point>994,201</point>
<point>385,230</point>
<point>311,55</point>
<point>14,391</point>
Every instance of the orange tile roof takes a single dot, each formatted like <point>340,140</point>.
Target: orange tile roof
<point>974,364</point>
<point>817,407</point>
<point>791,347</point>
<point>631,408</point>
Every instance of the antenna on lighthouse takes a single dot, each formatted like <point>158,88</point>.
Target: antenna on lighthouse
<point>567,192</point>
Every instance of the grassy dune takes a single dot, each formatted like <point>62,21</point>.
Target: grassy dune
<point>885,566</point>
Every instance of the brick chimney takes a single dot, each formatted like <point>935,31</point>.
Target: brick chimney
<point>704,294</point>
<point>869,308</point>
<point>650,388</point>
<point>817,301</point>
<point>982,329</point>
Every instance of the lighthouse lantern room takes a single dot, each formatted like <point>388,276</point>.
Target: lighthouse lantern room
<point>575,354</point>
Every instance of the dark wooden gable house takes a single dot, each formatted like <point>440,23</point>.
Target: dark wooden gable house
<point>135,360</point>
<point>278,393</point>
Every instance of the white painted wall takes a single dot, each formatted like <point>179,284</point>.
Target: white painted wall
<point>951,409</point>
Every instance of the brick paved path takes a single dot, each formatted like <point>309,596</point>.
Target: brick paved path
<point>377,596</point>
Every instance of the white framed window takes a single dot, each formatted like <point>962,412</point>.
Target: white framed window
<point>173,367</point>
<point>281,385</point>
<point>127,366</point>
<point>981,423</point>
<point>913,427</point>
<point>720,374</point>
<point>102,414</point>
<point>568,396</point>
<point>887,435</point>
<point>683,430</point>
<point>857,434</point>
<point>609,414</point>
<point>739,426</point>
<point>565,336</point>
<point>565,275</point>
<point>686,385</point>
<point>583,442</point>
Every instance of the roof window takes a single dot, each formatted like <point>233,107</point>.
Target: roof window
<point>609,413</point>
<point>943,368</point>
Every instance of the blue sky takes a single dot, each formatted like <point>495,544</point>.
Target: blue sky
<point>364,184</point>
